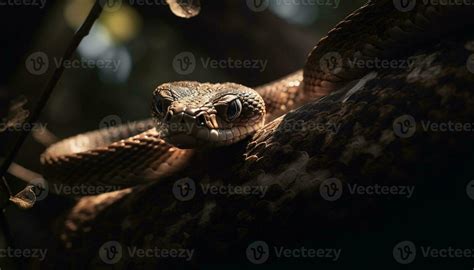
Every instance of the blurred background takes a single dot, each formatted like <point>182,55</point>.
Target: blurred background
<point>133,47</point>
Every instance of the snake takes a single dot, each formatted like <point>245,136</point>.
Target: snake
<point>295,164</point>
<point>190,117</point>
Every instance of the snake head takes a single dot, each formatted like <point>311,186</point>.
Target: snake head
<point>193,114</point>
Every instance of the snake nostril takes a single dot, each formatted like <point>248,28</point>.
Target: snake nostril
<point>201,121</point>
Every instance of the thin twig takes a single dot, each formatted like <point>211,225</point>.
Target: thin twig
<point>24,174</point>
<point>48,90</point>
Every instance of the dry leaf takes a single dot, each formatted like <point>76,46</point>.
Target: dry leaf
<point>26,198</point>
<point>185,8</point>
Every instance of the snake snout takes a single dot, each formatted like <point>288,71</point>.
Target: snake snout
<point>180,122</point>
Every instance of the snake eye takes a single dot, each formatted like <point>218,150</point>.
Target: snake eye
<point>161,105</point>
<point>234,109</point>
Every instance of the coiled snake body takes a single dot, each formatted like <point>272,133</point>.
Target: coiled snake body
<point>291,157</point>
<point>191,115</point>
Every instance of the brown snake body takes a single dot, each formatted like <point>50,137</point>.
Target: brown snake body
<point>293,156</point>
<point>125,156</point>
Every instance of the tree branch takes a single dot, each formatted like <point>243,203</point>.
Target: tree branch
<point>48,90</point>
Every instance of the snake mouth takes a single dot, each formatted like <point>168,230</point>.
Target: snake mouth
<point>196,135</point>
<point>185,130</point>
<point>209,137</point>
